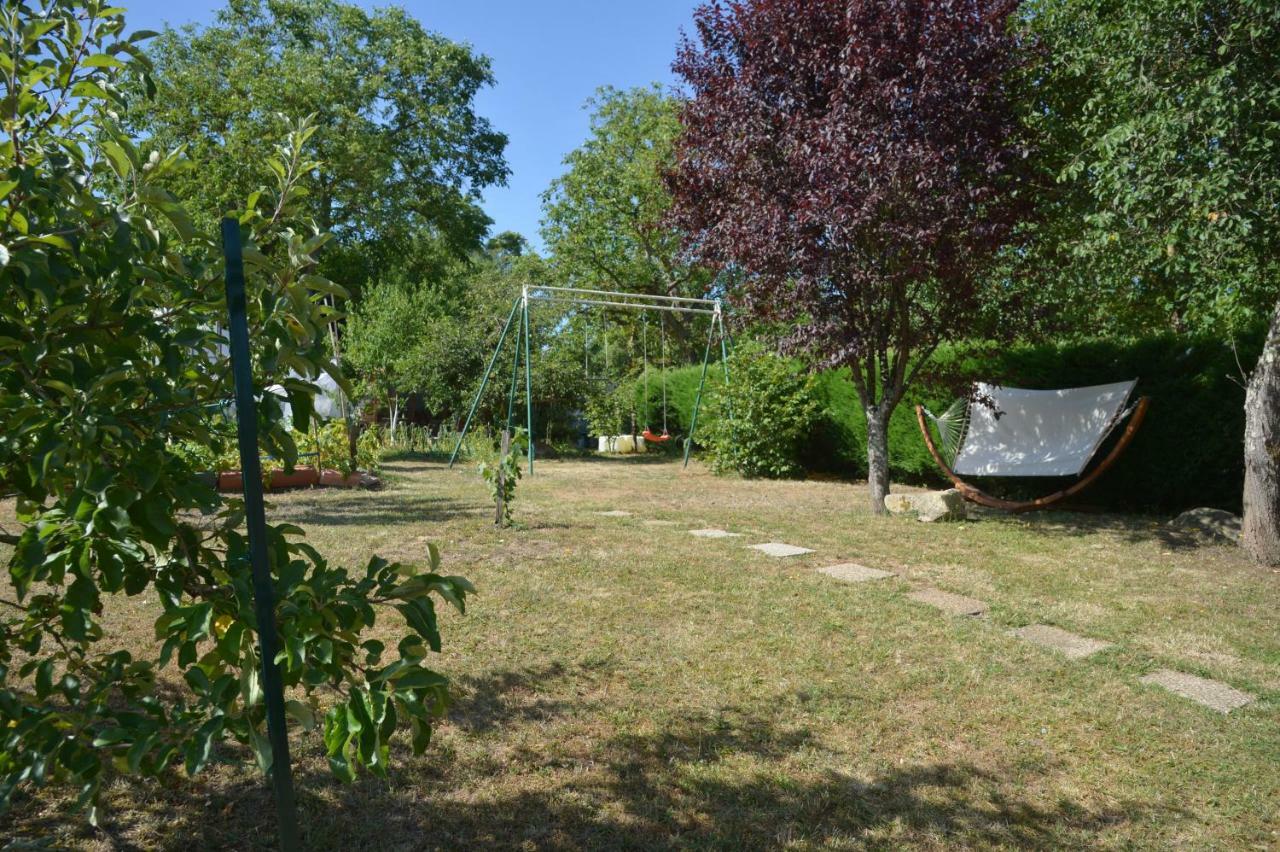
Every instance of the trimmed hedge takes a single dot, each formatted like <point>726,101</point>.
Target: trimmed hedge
<point>1189,452</point>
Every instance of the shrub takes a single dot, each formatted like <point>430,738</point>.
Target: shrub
<point>501,473</point>
<point>761,420</point>
<point>108,361</point>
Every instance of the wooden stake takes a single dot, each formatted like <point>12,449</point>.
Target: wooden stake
<point>500,517</point>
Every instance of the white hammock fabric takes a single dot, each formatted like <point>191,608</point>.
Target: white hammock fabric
<point>1038,432</point>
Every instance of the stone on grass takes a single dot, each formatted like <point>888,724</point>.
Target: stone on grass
<point>949,603</point>
<point>713,533</point>
<point>659,523</point>
<point>1070,645</point>
<point>777,548</point>
<point>1208,525</point>
<point>1211,693</point>
<point>929,506</point>
<point>615,513</point>
<point>852,572</point>
<point>899,504</point>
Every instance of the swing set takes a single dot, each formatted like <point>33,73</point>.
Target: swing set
<point>519,316</point>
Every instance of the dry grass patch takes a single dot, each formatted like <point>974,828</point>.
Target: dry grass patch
<point>623,685</point>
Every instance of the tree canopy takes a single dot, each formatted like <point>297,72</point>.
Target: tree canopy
<point>1157,123</point>
<point>606,222</point>
<point>405,154</point>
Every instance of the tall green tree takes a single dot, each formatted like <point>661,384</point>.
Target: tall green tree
<point>110,359</point>
<point>606,218</point>
<point>405,153</point>
<point>1161,122</point>
<point>382,333</point>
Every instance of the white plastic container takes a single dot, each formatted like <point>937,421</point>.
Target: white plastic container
<point>621,444</point>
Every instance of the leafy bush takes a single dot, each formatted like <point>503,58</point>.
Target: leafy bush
<point>502,473</point>
<point>611,412</point>
<point>110,367</point>
<point>761,420</point>
<point>327,445</point>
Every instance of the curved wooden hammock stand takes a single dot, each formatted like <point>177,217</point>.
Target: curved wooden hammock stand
<point>977,495</point>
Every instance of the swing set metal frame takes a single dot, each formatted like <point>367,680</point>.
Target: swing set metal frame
<point>519,316</point>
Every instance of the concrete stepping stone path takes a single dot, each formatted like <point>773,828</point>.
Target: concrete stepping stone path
<point>615,513</point>
<point>852,572</point>
<point>778,549</point>
<point>713,533</point>
<point>1070,645</point>
<point>659,523</point>
<point>1211,693</point>
<point>949,603</point>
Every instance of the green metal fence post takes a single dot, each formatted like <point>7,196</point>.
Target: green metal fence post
<point>724,358</point>
<point>697,400</point>
<point>255,521</point>
<point>528,379</point>
<point>515,375</point>
<point>483,382</point>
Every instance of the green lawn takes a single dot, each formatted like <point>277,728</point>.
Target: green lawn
<point>628,685</point>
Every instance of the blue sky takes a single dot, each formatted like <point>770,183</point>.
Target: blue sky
<point>548,57</point>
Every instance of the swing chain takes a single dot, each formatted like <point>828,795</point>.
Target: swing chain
<point>662,333</point>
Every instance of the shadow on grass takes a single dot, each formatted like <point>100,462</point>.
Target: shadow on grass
<point>1132,529</point>
<point>500,699</point>
<point>373,508</point>
<point>622,460</point>
<point>724,779</point>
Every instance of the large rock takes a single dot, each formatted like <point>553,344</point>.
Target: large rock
<point>1208,525</point>
<point>929,506</point>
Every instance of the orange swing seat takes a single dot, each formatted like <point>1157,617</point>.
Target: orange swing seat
<point>655,439</point>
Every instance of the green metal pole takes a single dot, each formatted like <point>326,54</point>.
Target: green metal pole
<point>528,380</point>
<point>697,400</point>
<point>483,382</point>
<point>724,362</point>
<point>515,375</point>
<point>255,521</point>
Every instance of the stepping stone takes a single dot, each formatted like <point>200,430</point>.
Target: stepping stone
<point>659,523</point>
<point>777,548</point>
<point>1056,639</point>
<point>1211,693</point>
<point>949,603</point>
<point>713,533</point>
<point>615,513</point>
<point>852,572</point>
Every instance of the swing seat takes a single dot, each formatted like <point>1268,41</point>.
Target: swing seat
<point>655,439</point>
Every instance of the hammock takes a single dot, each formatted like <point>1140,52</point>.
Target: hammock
<point>1016,432</point>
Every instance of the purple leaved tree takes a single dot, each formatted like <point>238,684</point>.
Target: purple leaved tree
<point>857,161</point>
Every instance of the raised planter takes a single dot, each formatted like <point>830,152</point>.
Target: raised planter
<point>302,477</point>
<point>336,479</point>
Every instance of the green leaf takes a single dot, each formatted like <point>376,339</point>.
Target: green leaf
<point>301,713</point>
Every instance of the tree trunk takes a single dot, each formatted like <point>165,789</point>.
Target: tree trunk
<point>394,406</point>
<point>1260,534</point>
<point>877,457</point>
